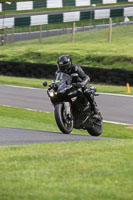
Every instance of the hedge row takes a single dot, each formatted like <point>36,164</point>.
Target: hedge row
<point>110,76</point>
<point>23,69</point>
<point>35,70</point>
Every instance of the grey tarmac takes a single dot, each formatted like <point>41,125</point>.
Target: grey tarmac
<point>117,108</point>
<point>13,136</point>
<point>114,108</point>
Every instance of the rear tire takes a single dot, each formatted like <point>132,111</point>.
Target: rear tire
<point>63,123</point>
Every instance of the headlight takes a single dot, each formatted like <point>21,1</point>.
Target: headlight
<point>51,94</point>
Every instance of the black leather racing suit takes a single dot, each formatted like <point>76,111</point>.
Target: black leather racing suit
<point>84,80</point>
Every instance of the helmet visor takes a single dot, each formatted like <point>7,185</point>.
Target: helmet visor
<point>64,67</point>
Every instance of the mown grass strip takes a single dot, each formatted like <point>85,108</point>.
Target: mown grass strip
<point>75,170</point>
<point>90,48</point>
<point>22,118</point>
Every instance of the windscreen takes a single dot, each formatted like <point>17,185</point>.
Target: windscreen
<point>63,77</point>
<point>63,80</point>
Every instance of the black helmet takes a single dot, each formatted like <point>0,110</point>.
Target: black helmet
<point>64,63</point>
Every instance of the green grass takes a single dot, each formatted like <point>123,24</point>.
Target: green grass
<point>21,118</point>
<point>113,89</point>
<point>72,170</point>
<point>26,82</point>
<point>37,83</point>
<point>98,170</point>
<point>90,48</point>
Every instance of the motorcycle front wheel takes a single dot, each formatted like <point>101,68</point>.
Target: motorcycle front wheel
<point>64,124</point>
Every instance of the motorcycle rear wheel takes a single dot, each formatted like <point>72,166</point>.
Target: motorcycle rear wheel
<point>96,129</point>
<point>63,123</point>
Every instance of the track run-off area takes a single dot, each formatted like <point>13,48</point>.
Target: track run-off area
<point>115,108</point>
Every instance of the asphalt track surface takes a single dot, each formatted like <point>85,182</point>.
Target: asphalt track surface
<point>113,107</point>
<point>117,108</point>
<point>12,136</point>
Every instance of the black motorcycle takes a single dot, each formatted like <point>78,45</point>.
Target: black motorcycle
<point>72,109</point>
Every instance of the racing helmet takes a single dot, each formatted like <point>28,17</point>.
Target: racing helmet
<point>64,63</point>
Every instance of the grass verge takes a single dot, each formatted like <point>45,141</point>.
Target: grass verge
<point>73,170</point>
<point>90,48</point>
<point>76,170</point>
<point>37,83</point>
<point>22,118</point>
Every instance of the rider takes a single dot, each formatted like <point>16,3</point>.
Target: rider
<point>65,65</point>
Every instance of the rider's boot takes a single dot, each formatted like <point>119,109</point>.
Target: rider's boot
<point>93,104</point>
<point>97,114</point>
<point>94,108</point>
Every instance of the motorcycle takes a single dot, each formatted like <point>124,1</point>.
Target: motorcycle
<point>71,107</point>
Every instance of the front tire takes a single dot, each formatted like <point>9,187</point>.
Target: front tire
<point>64,124</point>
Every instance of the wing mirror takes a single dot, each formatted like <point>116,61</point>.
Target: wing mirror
<point>45,83</point>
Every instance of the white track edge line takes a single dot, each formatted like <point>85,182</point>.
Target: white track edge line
<point>113,94</point>
<point>112,122</point>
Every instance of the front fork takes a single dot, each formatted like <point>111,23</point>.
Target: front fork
<point>67,108</point>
